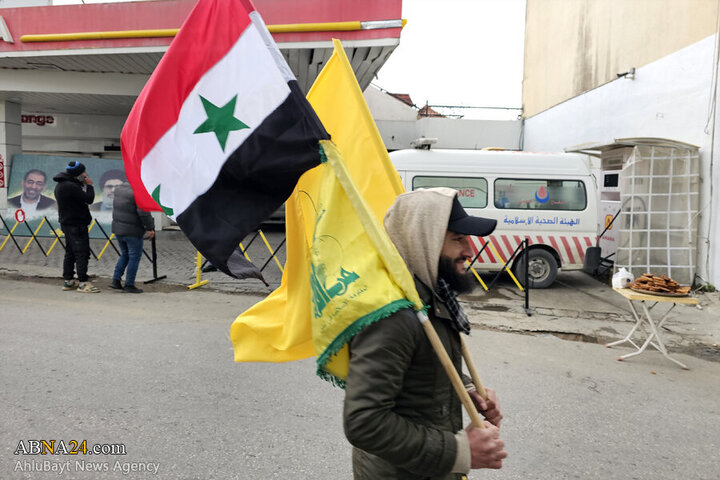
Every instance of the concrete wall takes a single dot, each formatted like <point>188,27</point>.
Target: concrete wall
<point>398,125</point>
<point>573,46</point>
<point>395,119</point>
<point>90,134</point>
<point>669,98</point>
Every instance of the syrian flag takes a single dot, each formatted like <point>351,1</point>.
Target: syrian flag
<point>221,133</point>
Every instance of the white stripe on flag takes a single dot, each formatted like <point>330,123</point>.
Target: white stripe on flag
<point>186,164</point>
<point>282,65</point>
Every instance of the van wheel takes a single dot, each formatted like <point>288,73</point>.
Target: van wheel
<point>543,268</point>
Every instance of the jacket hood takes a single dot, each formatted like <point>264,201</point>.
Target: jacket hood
<point>417,223</point>
<point>65,177</point>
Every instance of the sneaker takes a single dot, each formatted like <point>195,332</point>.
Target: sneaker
<point>87,287</point>
<point>69,285</point>
<point>132,289</point>
<point>115,284</point>
<point>209,268</point>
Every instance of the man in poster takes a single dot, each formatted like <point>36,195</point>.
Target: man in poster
<point>32,199</point>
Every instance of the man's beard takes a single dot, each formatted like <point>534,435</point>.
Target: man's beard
<point>460,282</point>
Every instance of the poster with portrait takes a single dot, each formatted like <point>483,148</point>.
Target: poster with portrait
<point>31,189</point>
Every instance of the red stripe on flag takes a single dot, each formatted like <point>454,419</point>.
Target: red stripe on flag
<point>498,247</point>
<point>580,249</point>
<point>568,249</point>
<point>208,33</point>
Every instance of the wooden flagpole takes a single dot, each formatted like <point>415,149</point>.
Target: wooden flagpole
<point>471,368</point>
<point>451,372</point>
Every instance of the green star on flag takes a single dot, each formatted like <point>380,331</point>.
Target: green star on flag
<point>221,120</point>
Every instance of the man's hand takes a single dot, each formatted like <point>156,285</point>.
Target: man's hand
<point>489,408</point>
<point>486,448</point>
<point>86,180</point>
<point>151,234</point>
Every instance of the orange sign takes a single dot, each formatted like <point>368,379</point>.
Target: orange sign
<point>608,221</point>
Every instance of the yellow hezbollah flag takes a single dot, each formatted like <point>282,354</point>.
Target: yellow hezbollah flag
<point>280,328</point>
<point>355,269</point>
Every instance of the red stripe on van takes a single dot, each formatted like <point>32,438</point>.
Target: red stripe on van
<point>555,246</point>
<point>588,241</point>
<point>518,240</point>
<point>568,249</point>
<point>477,244</point>
<point>498,248</point>
<point>475,250</point>
<point>580,249</point>
<point>510,248</point>
<point>488,252</point>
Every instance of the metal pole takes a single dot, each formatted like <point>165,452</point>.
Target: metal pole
<point>153,250</point>
<point>527,276</point>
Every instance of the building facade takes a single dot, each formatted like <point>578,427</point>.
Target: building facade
<point>596,71</point>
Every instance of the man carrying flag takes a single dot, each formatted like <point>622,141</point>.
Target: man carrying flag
<point>344,275</point>
<point>221,132</point>
<point>401,413</point>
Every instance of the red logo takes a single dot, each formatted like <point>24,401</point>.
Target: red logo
<point>19,215</point>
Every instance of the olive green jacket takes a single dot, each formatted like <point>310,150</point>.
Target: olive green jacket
<point>401,412</point>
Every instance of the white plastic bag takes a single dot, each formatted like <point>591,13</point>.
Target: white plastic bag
<point>622,279</point>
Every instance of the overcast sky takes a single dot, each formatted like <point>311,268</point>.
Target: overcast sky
<point>459,52</point>
<point>455,52</point>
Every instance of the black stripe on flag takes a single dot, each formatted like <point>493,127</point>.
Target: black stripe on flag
<point>254,182</point>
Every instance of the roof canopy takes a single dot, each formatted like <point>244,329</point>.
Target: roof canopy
<point>96,58</point>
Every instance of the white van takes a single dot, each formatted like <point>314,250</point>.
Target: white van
<point>548,198</point>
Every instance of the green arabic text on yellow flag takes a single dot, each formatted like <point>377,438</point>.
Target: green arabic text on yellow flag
<point>355,269</point>
<point>342,271</point>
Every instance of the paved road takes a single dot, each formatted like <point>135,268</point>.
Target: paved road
<point>154,372</point>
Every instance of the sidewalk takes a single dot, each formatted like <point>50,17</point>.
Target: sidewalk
<point>577,307</point>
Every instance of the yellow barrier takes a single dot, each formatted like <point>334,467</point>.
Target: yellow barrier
<point>478,278</point>
<point>267,244</point>
<point>198,263</point>
<point>198,274</point>
<point>57,233</point>
<point>247,257</point>
<point>107,244</point>
<point>33,237</point>
<point>8,237</point>
<point>506,268</point>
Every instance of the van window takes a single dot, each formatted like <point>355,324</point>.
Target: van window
<point>472,192</point>
<point>540,194</point>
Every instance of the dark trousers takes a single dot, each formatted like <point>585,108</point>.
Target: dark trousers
<point>77,252</point>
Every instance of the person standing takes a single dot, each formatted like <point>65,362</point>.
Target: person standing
<point>401,413</point>
<point>129,224</point>
<point>73,193</point>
